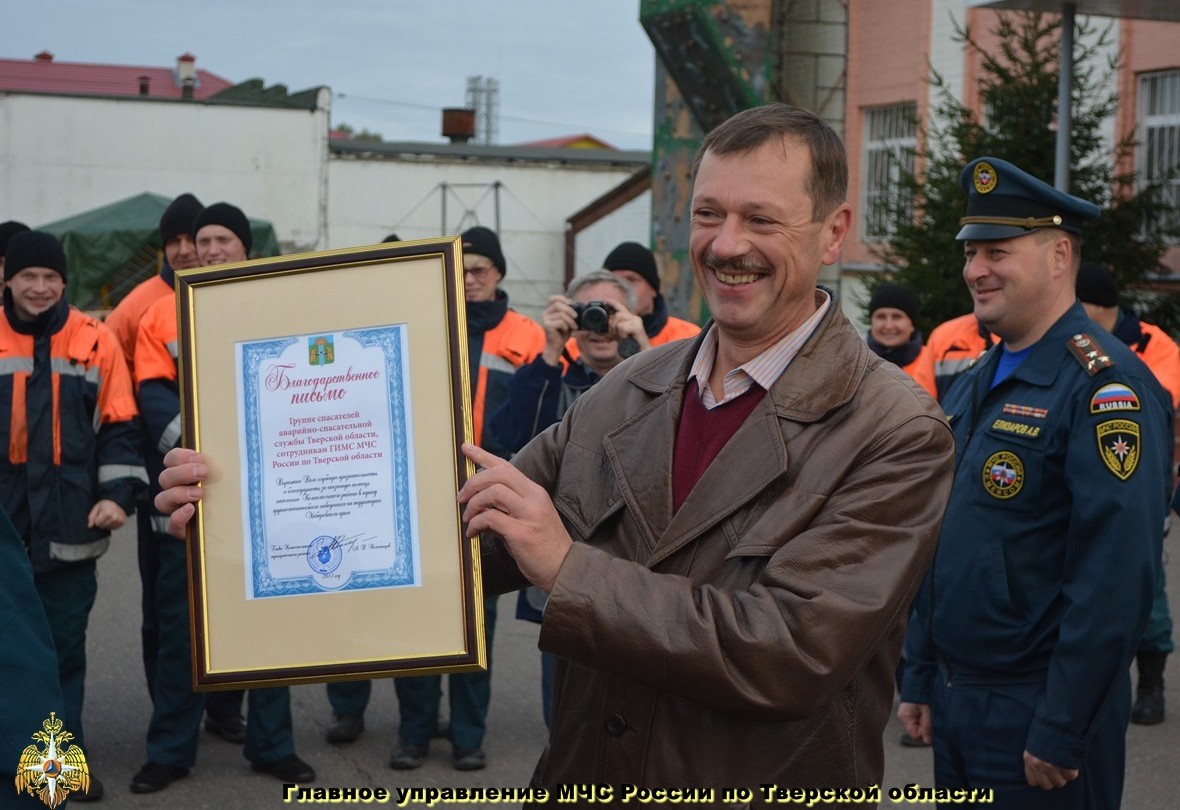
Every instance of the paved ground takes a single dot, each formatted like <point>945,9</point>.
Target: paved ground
<point>117,712</point>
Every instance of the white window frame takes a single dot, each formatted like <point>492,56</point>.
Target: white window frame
<point>889,138</point>
<point>1158,149</point>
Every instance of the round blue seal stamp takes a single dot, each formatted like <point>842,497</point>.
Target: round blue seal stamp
<point>324,554</point>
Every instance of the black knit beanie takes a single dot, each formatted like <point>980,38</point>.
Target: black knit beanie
<point>636,258</point>
<point>34,249</point>
<point>894,296</point>
<point>1097,286</point>
<point>484,242</point>
<point>178,217</point>
<point>8,230</point>
<point>228,216</point>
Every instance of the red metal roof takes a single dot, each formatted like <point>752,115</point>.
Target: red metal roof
<point>46,75</point>
<point>583,141</point>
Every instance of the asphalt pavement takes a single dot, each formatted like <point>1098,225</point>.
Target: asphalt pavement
<point>117,712</point>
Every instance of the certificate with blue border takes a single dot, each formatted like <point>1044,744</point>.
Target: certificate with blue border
<point>328,395</point>
<point>326,444</point>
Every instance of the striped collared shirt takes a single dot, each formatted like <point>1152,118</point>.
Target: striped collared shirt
<point>763,369</point>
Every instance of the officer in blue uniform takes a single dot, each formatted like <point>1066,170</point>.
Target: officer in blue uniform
<point>28,663</point>
<point>1028,619</point>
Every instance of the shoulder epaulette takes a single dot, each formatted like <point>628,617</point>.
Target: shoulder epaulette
<point>1088,353</point>
<point>85,337</point>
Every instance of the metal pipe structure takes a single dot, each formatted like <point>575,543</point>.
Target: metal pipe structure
<point>1064,98</point>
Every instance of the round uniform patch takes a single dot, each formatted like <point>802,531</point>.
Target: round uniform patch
<point>1003,475</point>
<point>984,177</point>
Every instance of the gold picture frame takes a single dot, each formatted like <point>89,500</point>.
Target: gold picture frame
<point>262,616</point>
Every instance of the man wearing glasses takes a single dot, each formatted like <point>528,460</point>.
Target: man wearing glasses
<point>499,341</point>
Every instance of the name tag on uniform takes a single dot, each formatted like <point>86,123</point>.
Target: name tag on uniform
<point>1016,428</point>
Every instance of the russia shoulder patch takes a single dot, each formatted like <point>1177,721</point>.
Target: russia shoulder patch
<point>1088,353</point>
<point>1114,397</point>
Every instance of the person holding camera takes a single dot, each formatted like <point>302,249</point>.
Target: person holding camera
<point>598,313</point>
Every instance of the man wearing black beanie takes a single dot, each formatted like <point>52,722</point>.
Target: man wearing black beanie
<point>221,233</point>
<point>637,264</point>
<point>176,238</point>
<point>65,485</point>
<point>1099,293</point>
<point>499,341</point>
<point>179,253</point>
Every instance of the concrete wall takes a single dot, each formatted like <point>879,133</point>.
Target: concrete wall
<point>60,156</point>
<point>369,198</point>
<point>814,44</point>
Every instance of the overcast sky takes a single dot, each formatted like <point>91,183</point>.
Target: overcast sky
<point>563,67</point>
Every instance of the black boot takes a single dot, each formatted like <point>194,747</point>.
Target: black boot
<point>1149,695</point>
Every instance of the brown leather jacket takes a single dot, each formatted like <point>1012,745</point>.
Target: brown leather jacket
<point>751,637</point>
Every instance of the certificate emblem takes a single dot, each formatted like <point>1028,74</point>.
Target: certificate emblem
<point>324,554</point>
<point>321,350</point>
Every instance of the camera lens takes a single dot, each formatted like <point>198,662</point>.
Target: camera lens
<point>594,318</point>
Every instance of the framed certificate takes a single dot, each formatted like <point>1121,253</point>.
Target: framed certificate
<point>328,391</point>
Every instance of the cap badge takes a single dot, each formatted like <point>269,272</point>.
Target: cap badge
<point>984,177</point>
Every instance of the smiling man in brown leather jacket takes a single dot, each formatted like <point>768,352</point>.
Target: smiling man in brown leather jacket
<point>730,529</point>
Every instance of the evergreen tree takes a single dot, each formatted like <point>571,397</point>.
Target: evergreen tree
<point>1018,90</point>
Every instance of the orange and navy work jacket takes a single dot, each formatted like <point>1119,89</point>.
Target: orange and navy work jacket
<point>157,390</point>
<point>675,329</point>
<point>499,341</point>
<point>954,346</point>
<point>1158,352</point>
<point>68,426</point>
<point>124,319</point>
<point>915,367</point>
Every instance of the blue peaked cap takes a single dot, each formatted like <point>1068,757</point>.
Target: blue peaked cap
<point>1004,201</point>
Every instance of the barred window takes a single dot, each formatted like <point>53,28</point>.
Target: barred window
<point>889,141</point>
<point>1159,122</point>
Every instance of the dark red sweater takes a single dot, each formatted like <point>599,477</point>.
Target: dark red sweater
<point>702,433</point>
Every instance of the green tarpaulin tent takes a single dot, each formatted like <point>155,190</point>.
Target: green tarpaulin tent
<point>111,249</point>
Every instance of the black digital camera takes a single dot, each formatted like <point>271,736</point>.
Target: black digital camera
<point>593,316</point>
